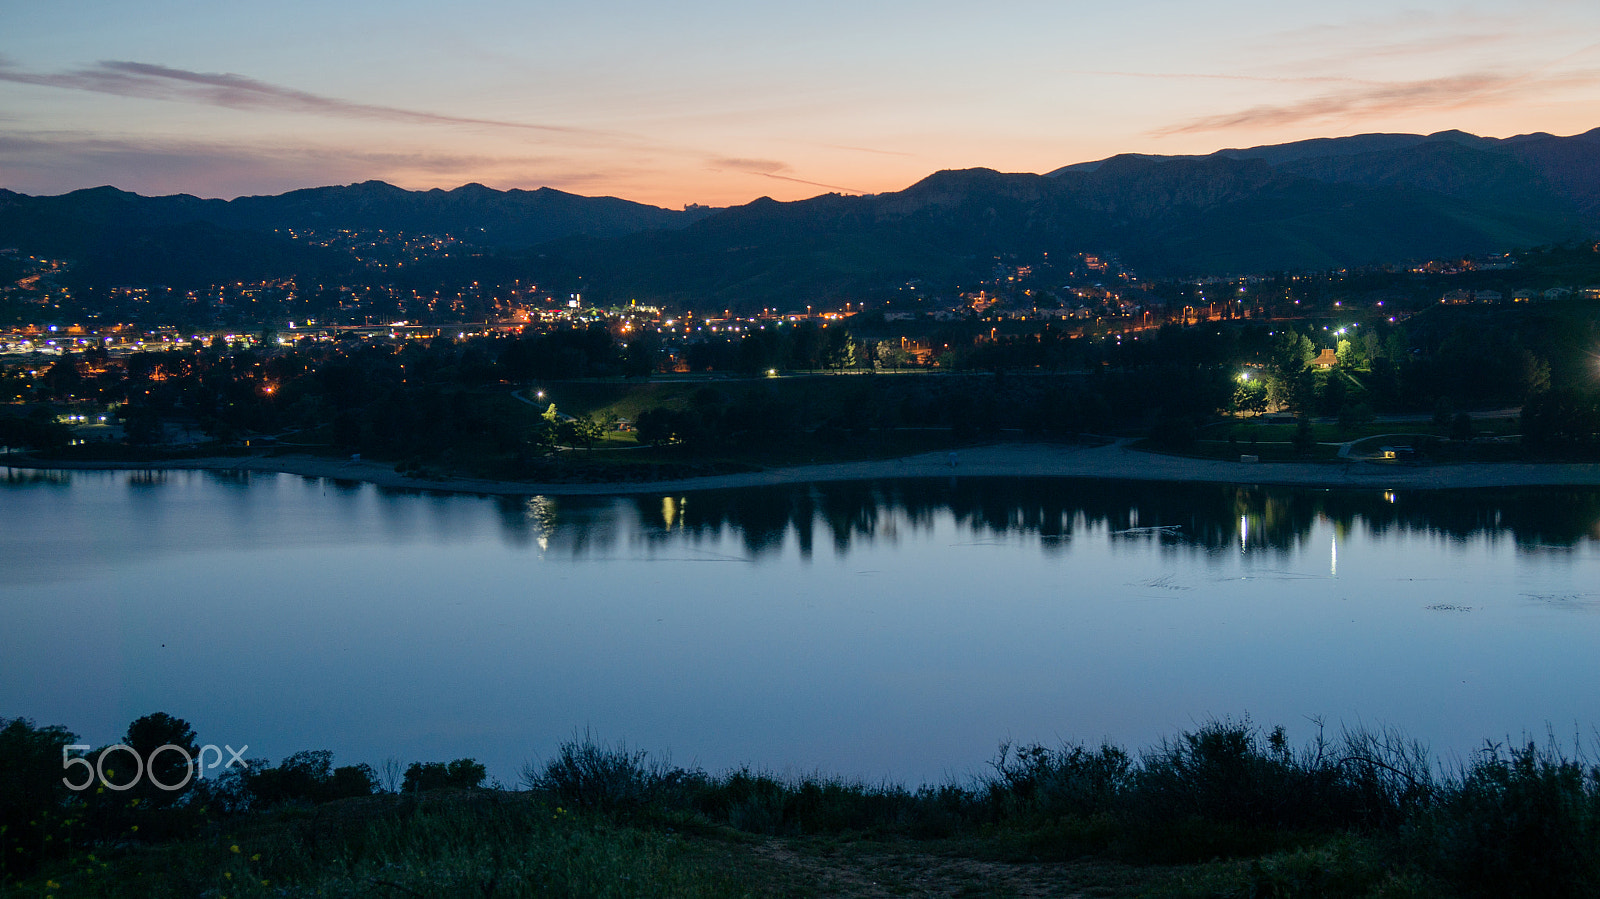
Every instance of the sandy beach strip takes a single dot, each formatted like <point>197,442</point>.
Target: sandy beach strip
<point>1115,461</point>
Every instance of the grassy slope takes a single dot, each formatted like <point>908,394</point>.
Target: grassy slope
<point>516,844</point>
<point>1225,810</point>
<point>818,398</point>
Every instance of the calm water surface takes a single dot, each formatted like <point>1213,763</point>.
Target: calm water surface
<point>882,630</point>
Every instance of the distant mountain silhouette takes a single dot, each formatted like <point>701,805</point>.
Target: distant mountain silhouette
<point>1305,206</point>
<point>1568,166</point>
<point>472,212</point>
<point>1314,204</point>
<point>124,236</point>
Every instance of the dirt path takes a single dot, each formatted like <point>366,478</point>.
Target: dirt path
<point>879,873</point>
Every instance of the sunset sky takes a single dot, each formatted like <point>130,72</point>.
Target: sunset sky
<point>704,101</point>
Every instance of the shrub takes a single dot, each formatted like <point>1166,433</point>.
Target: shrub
<point>461,774</point>
<point>753,803</point>
<point>1385,778</point>
<point>1523,822</point>
<point>311,778</point>
<point>1219,791</point>
<point>761,803</point>
<point>592,775</point>
<point>1072,780</point>
<point>33,799</point>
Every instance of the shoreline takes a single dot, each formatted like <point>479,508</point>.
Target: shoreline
<point>1110,462</point>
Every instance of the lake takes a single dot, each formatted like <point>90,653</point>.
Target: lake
<point>882,630</point>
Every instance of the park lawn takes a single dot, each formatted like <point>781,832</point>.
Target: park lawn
<point>1332,432</point>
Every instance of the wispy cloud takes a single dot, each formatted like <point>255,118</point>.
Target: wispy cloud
<point>770,168</point>
<point>566,157</point>
<point>869,150</point>
<point>756,166</point>
<point>1352,43</point>
<point>1225,76</point>
<point>1455,91</point>
<point>55,162</point>
<point>156,82</point>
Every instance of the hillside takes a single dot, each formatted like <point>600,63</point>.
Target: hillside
<point>1320,204</point>
<point>121,237</point>
<point>1334,204</point>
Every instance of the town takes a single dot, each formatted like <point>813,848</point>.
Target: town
<point>229,364</point>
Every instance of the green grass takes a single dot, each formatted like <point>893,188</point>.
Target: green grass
<point>1227,809</point>
<point>1275,442</point>
<point>482,843</point>
<point>821,395</point>
<point>1331,432</point>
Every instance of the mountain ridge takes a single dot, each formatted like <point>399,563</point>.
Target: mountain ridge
<point>1315,204</point>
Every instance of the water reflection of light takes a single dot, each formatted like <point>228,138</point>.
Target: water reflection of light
<point>541,512</point>
<point>1244,531</point>
<point>1333,567</point>
<point>672,511</point>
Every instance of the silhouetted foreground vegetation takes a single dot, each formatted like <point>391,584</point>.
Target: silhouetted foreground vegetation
<point>1228,809</point>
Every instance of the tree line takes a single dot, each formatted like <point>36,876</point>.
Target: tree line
<point>427,398</point>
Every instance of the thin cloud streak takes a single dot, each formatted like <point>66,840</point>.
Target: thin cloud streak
<point>771,168</point>
<point>1215,76</point>
<point>1452,92</point>
<point>869,150</point>
<point>1355,50</point>
<point>757,166</point>
<point>56,162</point>
<point>848,190</point>
<point>156,82</point>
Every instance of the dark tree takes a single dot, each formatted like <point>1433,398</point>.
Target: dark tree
<point>33,796</point>
<point>168,766</point>
<point>461,774</point>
